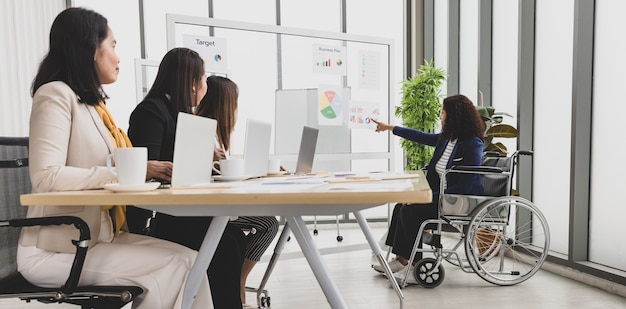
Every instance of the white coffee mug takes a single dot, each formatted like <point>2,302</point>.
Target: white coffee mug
<point>230,167</point>
<point>273,166</point>
<point>131,165</point>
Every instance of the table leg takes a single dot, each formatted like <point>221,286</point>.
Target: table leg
<point>203,259</point>
<point>310,251</point>
<point>379,254</point>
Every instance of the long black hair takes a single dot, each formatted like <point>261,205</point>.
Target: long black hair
<point>220,103</point>
<point>462,119</point>
<point>180,70</point>
<point>75,35</point>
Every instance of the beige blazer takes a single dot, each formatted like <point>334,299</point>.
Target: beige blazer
<point>67,151</point>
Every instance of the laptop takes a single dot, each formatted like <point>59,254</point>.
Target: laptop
<point>257,148</point>
<point>193,150</point>
<point>306,154</point>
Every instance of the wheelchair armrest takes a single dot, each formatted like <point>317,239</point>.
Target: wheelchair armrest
<point>477,169</point>
<point>81,244</point>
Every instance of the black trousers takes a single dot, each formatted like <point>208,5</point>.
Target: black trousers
<point>405,223</point>
<point>225,269</point>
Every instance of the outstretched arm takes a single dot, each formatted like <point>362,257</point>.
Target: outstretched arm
<point>381,126</point>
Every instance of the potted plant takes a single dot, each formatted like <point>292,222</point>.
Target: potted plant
<point>494,128</point>
<point>420,109</point>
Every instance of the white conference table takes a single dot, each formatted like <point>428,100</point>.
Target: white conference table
<point>291,199</point>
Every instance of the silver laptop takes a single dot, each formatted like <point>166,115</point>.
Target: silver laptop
<point>256,153</point>
<point>306,154</point>
<point>193,150</point>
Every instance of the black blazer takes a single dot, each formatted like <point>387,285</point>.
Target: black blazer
<point>153,124</point>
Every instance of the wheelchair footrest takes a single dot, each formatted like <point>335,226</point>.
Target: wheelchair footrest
<point>432,239</point>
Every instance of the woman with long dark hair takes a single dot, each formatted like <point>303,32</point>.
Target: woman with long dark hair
<point>71,135</point>
<point>179,86</point>
<point>459,143</point>
<point>220,103</point>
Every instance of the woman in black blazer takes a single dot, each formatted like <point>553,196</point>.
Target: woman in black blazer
<point>179,86</point>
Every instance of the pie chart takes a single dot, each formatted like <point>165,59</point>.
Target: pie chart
<point>330,104</point>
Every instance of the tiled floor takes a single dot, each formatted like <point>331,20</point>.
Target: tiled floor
<point>293,285</point>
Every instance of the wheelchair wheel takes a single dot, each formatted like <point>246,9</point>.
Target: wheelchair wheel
<point>426,274</point>
<point>507,240</point>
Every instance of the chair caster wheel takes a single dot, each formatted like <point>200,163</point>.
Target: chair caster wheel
<point>339,238</point>
<point>265,302</point>
<point>422,268</point>
<point>315,232</point>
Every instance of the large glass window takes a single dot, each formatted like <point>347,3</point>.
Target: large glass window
<point>24,33</point>
<point>322,15</point>
<point>607,211</point>
<point>122,99</point>
<point>155,19</point>
<point>250,11</point>
<point>468,50</point>
<point>504,63</point>
<point>553,109</point>
<point>441,39</point>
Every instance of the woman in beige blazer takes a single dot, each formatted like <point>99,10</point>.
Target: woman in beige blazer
<point>71,134</point>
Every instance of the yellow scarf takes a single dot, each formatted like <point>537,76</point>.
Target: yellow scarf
<point>120,139</point>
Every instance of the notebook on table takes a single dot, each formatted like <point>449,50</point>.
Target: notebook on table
<point>257,148</point>
<point>193,150</point>
<point>306,154</point>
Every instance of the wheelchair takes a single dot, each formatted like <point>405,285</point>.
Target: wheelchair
<point>501,237</point>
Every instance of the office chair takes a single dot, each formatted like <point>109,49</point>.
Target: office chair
<point>14,181</point>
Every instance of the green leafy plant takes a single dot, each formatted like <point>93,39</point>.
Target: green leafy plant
<point>420,110</point>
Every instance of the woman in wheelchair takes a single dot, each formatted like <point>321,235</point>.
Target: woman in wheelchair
<point>460,142</point>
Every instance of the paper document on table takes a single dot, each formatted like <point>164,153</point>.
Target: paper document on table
<point>349,180</point>
<point>282,187</point>
<point>293,180</point>
<point>211,185</point>
<point>387,175</point>
<point>403,184</point>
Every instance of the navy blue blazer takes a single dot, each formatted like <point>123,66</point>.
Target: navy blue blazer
<point>468,152</point>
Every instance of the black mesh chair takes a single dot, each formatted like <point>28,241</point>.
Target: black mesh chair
<point>14,181</point>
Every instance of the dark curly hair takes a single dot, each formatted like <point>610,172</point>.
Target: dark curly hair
<point>462,119</point>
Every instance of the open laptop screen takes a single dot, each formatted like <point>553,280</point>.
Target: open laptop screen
<point>307,150</point>
<point>193,150</point>
<point>257,148</point>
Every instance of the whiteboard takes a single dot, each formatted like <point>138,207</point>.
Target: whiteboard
<point>276,70</point>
